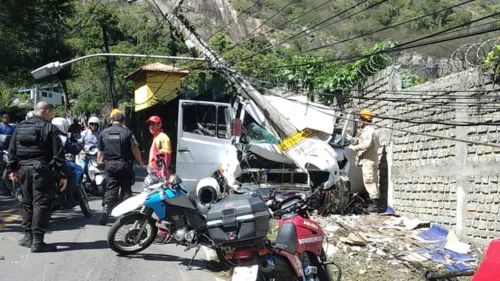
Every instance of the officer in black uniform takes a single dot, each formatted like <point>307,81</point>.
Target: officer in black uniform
<point>117,148</point>
<point>37,158</point>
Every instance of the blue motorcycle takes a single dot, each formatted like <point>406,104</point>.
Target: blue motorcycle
<point>191,219</point>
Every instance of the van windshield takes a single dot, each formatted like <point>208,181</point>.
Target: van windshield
<point>257,134</point>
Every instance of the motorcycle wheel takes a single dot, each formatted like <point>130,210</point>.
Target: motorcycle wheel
<point>83,200</point>
<point>324,270</point>
<point>127,246</point>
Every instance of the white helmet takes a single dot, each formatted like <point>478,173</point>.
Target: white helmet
<point>93,119</point>
<point>61,123</point>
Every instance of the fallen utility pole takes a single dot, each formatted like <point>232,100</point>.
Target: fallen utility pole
<point>274,120</point>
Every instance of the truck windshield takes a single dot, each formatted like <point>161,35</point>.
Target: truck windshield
<point>257,134</point>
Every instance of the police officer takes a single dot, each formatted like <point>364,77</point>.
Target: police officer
<point>37,158</point>
<point>117,148</point>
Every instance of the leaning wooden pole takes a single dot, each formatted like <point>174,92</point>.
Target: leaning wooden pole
<point>274,119</point>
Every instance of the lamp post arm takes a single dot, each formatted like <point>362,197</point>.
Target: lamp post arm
<point>130,56</point>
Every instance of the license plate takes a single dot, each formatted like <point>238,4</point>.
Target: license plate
<point>245,273</point>
<point>294,139</point>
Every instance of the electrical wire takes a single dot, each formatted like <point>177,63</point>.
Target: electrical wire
<point>303,14</point>
<point>234,20</point>
<point>248,35</point>
<point>398,48</point>
<point>306,31</point>
<point>385,28</point>
<point>406,131</point>
<point>433,122</point>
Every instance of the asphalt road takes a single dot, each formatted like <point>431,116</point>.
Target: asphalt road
<point>83,253</point>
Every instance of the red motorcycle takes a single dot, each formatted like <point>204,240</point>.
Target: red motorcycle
<point>296,254</point>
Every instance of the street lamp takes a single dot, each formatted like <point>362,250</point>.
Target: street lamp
<point>54,67</point>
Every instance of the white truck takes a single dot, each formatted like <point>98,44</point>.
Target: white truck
<point>236,153</point>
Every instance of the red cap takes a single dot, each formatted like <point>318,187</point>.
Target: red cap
<point>154,119</point>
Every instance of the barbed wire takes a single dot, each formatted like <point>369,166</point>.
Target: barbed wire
<point>469,56</point>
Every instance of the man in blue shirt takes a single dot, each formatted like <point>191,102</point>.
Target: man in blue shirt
<point>5,128</point>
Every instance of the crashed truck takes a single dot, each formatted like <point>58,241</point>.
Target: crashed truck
<point>239,155</point>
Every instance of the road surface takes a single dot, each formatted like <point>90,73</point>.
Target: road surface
<point>84,254</point>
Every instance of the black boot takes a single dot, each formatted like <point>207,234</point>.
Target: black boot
<point>104,215</point>
<point>374,207</point>
<point>27,240</point>
<point>39,246</point>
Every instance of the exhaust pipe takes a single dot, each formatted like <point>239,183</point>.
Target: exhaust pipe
<point>267,265</point>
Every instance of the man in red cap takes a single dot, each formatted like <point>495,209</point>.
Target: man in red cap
<point>161,144</point>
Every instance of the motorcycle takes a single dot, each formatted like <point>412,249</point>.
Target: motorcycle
<point>94,179</point>
<point>172,206</point>
<point>59,200</point>
<point>13,187</point>
<point>296,254</point>
<point>81,195</point>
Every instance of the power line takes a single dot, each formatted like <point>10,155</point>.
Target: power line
<point>394,49</point>
<point>303,14</point>
<point>385,28</point>
<point>279,11</point>
<point>444,104</point>
<point>234,20</point>
<point>397,47</point>
<point>405,92</point>
<point>296,35</point>
<point>407,131</point>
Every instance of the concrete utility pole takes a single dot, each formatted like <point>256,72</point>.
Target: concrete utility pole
<point>276,122</point>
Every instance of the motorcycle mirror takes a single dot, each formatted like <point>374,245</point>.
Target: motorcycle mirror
<point>176,181</point>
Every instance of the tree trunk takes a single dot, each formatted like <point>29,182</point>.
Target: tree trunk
<point>65,95</point>
<point>110,66</point>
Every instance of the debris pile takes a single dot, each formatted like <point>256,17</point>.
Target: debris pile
<point>386,247</point>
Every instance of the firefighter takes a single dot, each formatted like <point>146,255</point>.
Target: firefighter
<point>37,159</point>
<point>367,145</point>
<point>117,148</point>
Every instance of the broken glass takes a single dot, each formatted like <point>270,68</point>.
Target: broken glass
<point>257,134</point>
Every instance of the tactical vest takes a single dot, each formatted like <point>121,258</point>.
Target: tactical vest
<point>116,143</point>
<point>29,138</point>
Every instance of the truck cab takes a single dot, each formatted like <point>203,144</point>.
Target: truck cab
<point>210,133</point>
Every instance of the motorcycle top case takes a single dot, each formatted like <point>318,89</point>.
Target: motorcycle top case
<point>238,218</point>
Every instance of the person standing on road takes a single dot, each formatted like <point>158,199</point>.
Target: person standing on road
<point>160,145</point>
<point>367,148</point>
<point>116,150</point>
<point>36,158</point>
